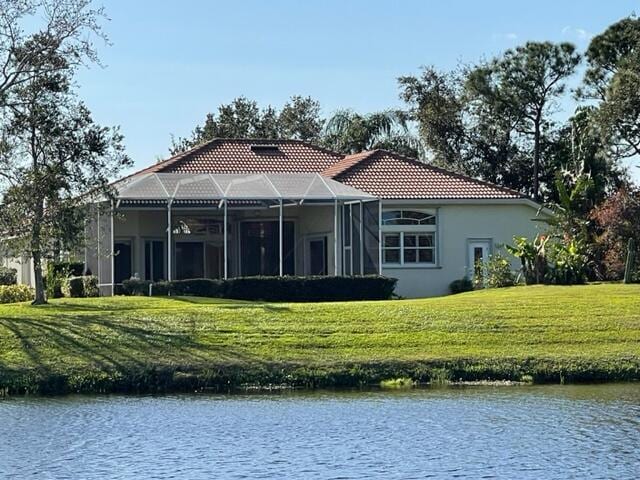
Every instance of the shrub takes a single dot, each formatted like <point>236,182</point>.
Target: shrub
<point>296,289</point>
<point>568,263</point>
<point>161,288</point>
<point>310,289</point>
<point>73,287</point>
<point>135,287</point>
<point>75,269</point>
<point>8,276</point>
<point>57,277</point>
<point>79,287</point>
<point>90,285</point>
<point>198,287</point>
<point>55,281</point>
<point>460,286</point>
<point>498,272</point>
<point>15,293</point>
<point>533,257</point>
<point>615,225</point>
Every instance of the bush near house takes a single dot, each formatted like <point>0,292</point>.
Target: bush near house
<point>8,276</point>
<point>498,272</point>
<point>461,285</point>
<point>80,287</point>
<point>277,289</point>
<point>15,293</point>
<point>57,278</point>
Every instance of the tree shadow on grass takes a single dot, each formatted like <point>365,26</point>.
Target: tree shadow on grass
<point>52,343</point>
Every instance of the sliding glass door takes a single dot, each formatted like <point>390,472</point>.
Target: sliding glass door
<point>259,248</point>
<point>189,260</point>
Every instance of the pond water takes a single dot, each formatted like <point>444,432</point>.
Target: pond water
<point>466,432</point>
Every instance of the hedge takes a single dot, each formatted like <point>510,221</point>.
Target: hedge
<point>290,289</point>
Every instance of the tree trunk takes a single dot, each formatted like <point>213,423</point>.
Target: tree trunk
<point>36,254</point>
<point>536,158</point>
<point>40,298</point>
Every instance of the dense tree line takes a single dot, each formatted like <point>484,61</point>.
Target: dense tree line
<point>498,120</point>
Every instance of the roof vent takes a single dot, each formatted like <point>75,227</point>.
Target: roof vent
<point>266,149</point>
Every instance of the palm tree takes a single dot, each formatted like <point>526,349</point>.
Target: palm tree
<point>349,132</point>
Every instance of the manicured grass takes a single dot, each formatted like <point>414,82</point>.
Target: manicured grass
<point>579,333</point>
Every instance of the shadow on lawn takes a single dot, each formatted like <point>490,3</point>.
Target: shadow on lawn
<point>106,344</point>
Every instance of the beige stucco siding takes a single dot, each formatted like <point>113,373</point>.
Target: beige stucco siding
<point>23,267</point>
<point>457,225</point>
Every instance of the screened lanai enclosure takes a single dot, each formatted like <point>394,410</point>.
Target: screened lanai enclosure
<point>170,226</point>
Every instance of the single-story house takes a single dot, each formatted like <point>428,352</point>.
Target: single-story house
<point>244,207</point>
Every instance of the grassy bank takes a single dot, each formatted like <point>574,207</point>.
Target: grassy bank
<point>552,334</point>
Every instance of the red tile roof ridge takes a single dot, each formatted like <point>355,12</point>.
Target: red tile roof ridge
<point>371,153</point>
<point>346,163</point>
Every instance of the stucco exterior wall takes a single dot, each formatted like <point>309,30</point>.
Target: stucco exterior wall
<point>23,267</point>
<point>457,225</point>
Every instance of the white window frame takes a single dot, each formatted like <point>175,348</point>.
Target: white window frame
<point>415,229</point>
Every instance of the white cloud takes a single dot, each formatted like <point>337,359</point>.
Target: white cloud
<point>577,33</point>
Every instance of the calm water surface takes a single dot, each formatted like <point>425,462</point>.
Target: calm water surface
<point>472,432</point>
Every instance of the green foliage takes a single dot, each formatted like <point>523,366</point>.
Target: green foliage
<point>561,261</point>
<point>532,256</point>
<point>568,263</point>
<point>310,289</point>
<point>56,279</point>
<point>8,276</point>
<point>350,132</point>
<point>498,272</point>
<point>136,287</point>
<point>616,221</point>
<point>398,384</point>
<point>80,287</point>
<point>75,269</point>
<point>198,287</point>
<point>579,333</point>
<point>492,119</point>
<point>15,293</point>
<point>612,78</point>
<point>461,285</point>
<point>299,119</point>
<point>90,286</point>
<point>294,289</point>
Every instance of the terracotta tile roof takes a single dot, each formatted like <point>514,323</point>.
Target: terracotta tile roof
<point>238,156</point>
<point>378,172</point>
<point>391,176</point>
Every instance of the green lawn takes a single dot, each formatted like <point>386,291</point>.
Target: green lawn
<point>156,344</point>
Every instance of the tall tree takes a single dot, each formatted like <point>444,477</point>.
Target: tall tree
<point>477,138</point>
<point>60,39</point>
<point>242,118</point>
<point>349,132</point>
<point>524,82</point>
<point>613,79</point>
<point>481,119</point>
<point>55,153</point>
<point>51,150</point>
<point>575,150</point>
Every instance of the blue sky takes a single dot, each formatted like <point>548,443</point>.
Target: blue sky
<point>172,62</point>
